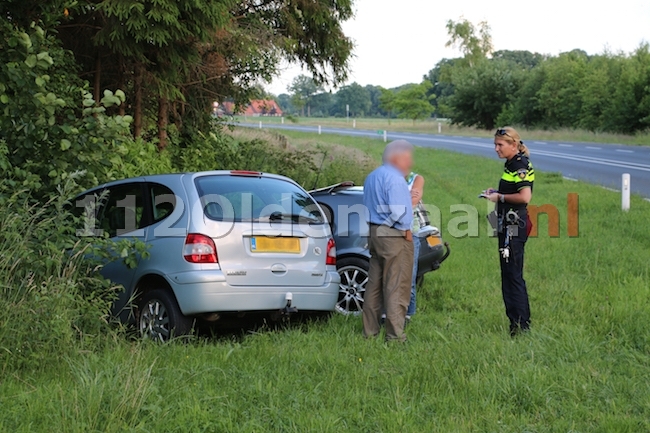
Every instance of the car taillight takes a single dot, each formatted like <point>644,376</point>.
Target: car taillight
<point>330,259</point>
<point>200,249</point>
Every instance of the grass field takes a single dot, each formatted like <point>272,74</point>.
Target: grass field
<point>583,368</point>
<point>430,126</point>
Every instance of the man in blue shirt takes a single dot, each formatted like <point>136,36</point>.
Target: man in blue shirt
<point>388,200</point>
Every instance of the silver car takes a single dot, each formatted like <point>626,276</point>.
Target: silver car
<point>219,242</point>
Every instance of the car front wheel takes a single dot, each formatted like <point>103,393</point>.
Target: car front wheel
<point>354,277</point>
<point>160,318</point>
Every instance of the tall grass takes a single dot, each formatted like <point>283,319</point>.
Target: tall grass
<point>583,368</point>
<point>51,303</point>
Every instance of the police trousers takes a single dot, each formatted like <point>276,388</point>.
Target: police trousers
<point>513,285</point>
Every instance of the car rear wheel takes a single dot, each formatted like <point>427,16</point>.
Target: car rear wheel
<point>160,318</point>
<point>354,277</point>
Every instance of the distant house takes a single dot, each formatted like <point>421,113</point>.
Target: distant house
<point>256,108</point>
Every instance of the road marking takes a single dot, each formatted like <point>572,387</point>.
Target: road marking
<point>593,148</point>
<point>580,158</point>
<point>565,145</point>
<point>539,142</point>
<point>624,151</point>
<point>434,139</point>
<point>570,178</point>
<point>610,189</point>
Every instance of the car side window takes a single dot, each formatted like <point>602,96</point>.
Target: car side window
<point>124,210</point>
<point>328,213</point>
<point>163,201</point>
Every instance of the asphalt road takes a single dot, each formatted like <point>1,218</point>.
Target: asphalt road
<point>601,164</point>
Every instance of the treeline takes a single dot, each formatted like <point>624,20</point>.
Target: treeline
<point>306,98</point>
<point>608,92</point>
<point>602,93</point>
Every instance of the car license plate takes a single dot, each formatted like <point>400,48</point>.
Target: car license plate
<point>263,244</point>
<point>433,241</point>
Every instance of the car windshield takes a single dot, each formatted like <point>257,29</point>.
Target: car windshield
<point>252,198</point>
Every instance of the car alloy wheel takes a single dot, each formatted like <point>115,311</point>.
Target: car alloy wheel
<point>154,321</point>
<point>352,289</point>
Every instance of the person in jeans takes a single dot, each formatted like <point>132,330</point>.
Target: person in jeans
<point>390,216</point>
<point>415,183</point>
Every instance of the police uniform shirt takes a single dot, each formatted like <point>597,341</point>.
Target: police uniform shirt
<point>518,173</point>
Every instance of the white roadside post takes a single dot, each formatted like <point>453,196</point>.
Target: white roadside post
<point>385,136</point>
<point>318,129</point>
<point>282,120</point>
<point>260,124</point>
<point>625,191</point>
<point>439,128</point>
<point>354,123</point>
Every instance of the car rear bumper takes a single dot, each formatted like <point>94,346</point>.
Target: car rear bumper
<point>208,292</point>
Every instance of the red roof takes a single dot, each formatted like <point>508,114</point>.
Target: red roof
<point>257,107</point>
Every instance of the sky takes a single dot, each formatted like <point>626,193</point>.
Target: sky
<point>398,41</point>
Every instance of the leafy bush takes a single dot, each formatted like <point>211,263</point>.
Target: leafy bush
<point>49,122</point>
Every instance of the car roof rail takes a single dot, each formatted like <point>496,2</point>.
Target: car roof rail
<point>333,188</point>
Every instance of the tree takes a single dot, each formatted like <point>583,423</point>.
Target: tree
<point>387,102</point>
<point>302,88</point>
<point>475,43</point>
<point>441,85</point>
<point>481,93</point>
<point>173,58</point>
<point>414,102</point>
<point>524,58</point>
<point>321,104</point>
<point>356,97</point>
<point>559,97</point>
<point>375,93</point>
<point>284,101</point>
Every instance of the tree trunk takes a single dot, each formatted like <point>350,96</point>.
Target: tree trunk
<point>122,87</point>
<point>97,79</point>
<point>308,110</point>
<point>137,108</point>
<point>163,120</point>
<point>178,119</point>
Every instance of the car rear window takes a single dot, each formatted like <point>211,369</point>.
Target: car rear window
<point>244,198</point>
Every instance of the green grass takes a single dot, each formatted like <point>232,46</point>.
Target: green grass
<point>430,126</point>
<point>583,368</point>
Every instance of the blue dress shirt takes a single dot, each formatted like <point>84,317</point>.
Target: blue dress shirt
<point>387,198</point>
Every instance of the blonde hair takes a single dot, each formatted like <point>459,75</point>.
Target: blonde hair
<point>512,136</point>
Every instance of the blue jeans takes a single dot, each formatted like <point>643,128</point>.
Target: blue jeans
<point>416,255</point>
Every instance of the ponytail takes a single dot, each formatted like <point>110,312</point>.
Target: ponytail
<point>523,149</point>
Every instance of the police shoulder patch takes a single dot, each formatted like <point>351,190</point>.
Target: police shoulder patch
<point>522,172</point>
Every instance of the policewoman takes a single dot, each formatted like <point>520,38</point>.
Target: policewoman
<point>512,197</point>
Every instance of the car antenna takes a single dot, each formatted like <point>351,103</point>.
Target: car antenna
<point>320,169</point>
